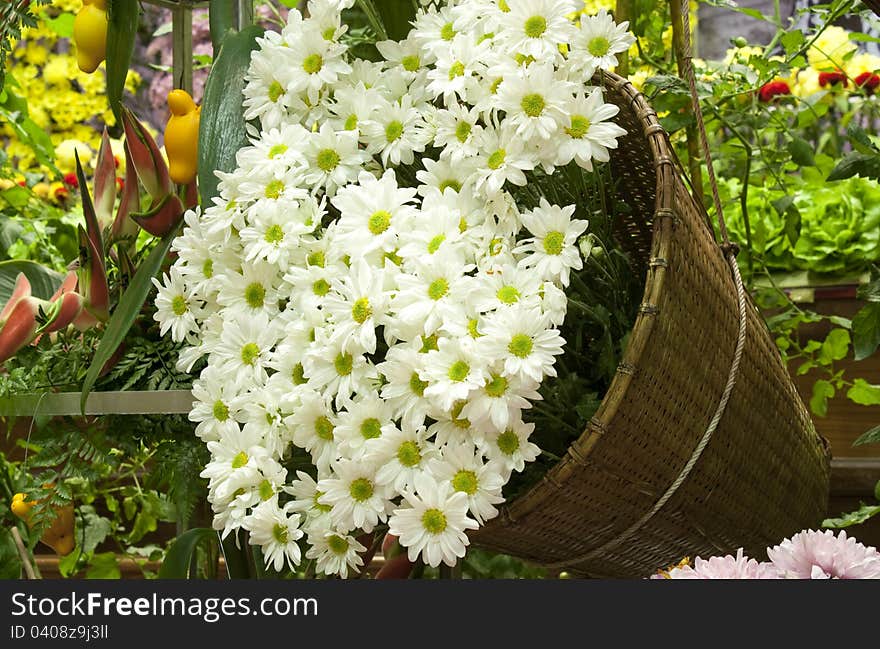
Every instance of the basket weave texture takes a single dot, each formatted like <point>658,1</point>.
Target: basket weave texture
<point>764,474</point>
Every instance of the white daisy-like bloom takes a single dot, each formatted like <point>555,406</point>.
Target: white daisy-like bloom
<point>454,371</point>
<point>457,131</point>
<point>177,309</point>
<point>245,346</point>
<point>466,470</point>
<point>587,133</point>
<point>313,424</point>
<point>372,213</point>
<point>537,28</point>
<point>334,158</point>
<point>362,424</point>
<point>358,501</point>
<point>435,523</point>
<point>370,298</point>
<point>401,455</point>
<point>598,41</point>
<point>397,131</point>
<point>521,339</point>
<point>335,553</point>
<point>511,447</point>
<point>551,251</point>
<point>534,100</point>
<point>276,530</point>
<point>503,158</point>
<point>214,410</point>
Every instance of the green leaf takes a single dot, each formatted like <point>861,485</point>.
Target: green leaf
<point>792,41</point>
<point>835,347</point>
<point>222,127</point>
<point>861,140</point>
<point>43,281</point>
<point>857,164</point>
<point>221,18</point>
<point>864,393</point>
<point>62,24</point>
<point>179,556</point>
<point>10,562</point>
<point>853,518</point>
<point>801,152</point>
<point>236,557</point>
<point>18,197</point>
<point>104,566</point>
<point>396,16</point>
<point>126,312</point>
<point>97,528</point>
<point>122,27</point>
<point>870,292</point>
<point>822,391</point>
<point>869,437</point>
<point>866,331</point>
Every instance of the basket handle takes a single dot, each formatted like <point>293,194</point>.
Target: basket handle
<point>730,251</point>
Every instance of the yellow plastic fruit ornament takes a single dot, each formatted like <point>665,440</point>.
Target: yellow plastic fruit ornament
<point>182,137</point>
<point>90,34</point>
<point>60,535</point>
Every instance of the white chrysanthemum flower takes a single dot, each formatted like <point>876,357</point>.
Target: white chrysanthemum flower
<point>435,523</point>
<point>504,288</point>
<point>457,131</point>
<point>353,106</point>
<point>454,371</point>
<point>451,427</point>
<point>372,214</point>
<point>316,62</point>
<point>503,158</point>
<point>362,423</point>
<point>457,71</point>
<point>432,293</point>
<point>500,401</point>
<point>443,174</point>
<point>408,54</point>
<point>235,451</point>
<point>537,28</point>
<point>397,132</point>
<point>177,309</point>
<point>314,428</point>
<point>265,92</point>
<point>597,42</point>
<point>306,494</point>
<point>551,251</point>
<point>275,231</point>
<point>245,346</point>
<point>404,389</point>
<point>511,448</point>
<point>521,339</point>
<point>335,553</point>
<point>534,100</point>
<point>463,466</point>
<point>274,153</point>
<point>276,531</point>
<point>554,303</point>
<point>401,455</point>
<point>252,291</point>
<point>587,134</point>
<point>333,371</point>
<point>334,158</point>
<point>358,501</point>
<point>213,409</point>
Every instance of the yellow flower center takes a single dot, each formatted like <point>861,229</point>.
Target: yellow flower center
<point>255,295</point>
<point>275,91</point>
<point>337,544</point>
<point>274,234</point>
<point>520,345</point>
<point>324,428</point>
<point>178,305</point>
<point>343,363</point>
<point>553,242</point>
<point>456,70</point>
<point>279,533</point>
<point>313,63</point>
<point>535,26</point>
<point>277,150</point>
<point>379,222</point>
<point>598,46</point>
<point>434,521</point>
<point>394,130</point>
<point>533,105</point>
<point>465,481</point>
<point>580,125</point>
<point>496,387</point>
<point>463,131</point>
<point>239,460</point>
<point>438,288</point>
<point>416,385</point>
<point>458,371</point>
<point>361,489</point>
<point>220,411</point>
<point>496,159</point>
<point>408,454</point>
<point>327,160</point>
<point>371,428</point>
<point>321,287</point>
<point>411,63</point>
<point>274,189</point>
<point>508,294</point>
<point>361,310</point>
<point>508,442</point>
<point>249,353</point>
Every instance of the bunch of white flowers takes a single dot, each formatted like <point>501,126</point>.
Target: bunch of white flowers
<point>369,293</point>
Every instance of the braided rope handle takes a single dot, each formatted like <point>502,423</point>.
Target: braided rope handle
<point>730,251</point>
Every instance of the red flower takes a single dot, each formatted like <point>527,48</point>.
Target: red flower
<point>868,81</point>
<point>833,78</point>
<point>120,184</point>
<point>60,194</point>
<point>70,180</point>
<point>773,89</point>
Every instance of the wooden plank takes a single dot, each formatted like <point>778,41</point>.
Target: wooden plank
<point>153,402</point>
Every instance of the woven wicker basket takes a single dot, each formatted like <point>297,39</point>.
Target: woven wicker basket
<point>765,472</point>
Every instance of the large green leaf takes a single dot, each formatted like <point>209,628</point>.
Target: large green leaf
<point>237,564</point>
<point>396,16</point>
<point>866,330</point>
<point>869,437</point>
<point>126,312</point>
<point>10,562</point>
<point>221,18</point>
<point>43,281</point>
<point>222,126</point>
<point>864,393</point>
<point>179,556</point>
<point>122,27</point>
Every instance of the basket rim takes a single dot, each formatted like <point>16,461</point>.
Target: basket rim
<point>666,166</point>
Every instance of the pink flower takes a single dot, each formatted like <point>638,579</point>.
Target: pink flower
<point>821,555</point>
<point>729,567</point>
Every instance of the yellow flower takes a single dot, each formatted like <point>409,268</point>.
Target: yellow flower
<point>862,62</point>
<point>56,71</point>
<point>64,154</point>
<point>741,55</point>
<point>806,83</point>
<point>829,50</point>
<point>35,53</point>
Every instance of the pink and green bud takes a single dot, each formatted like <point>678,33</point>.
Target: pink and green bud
<point>92,278</point>
<point>21,289</point>
<point>20,326</point>
<point>105,183</point>
<point>146,157</point>
<point>124,229</point>
<point>163,217</point>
